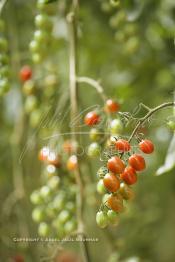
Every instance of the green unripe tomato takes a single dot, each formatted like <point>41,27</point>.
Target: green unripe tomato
<point>102,172</point>
<point>105,198</point>
<point>59,202</point>
<point>70,206</point>
<point>37,58</point>
<point>36,198</point>
<point>102,219</point>
<point>41,37</point>
<point>94,150</point>
<point>43,6</point>
<point>171,125</point>
<point>53,182</point>
<point>35,118</point>
<point>4,86</point>
<point>4,71</point>
<point>38,214</point>
<point>64,216</point>
<point>34,46</point>
<point>113,217</point>
<point>45,192</point>
<point>51,170</point>
<point>43,229</point>
<point>43,21</point>
<point>30,103</point>
<point>4,59</point>
<point>100,187</point>
<point>2,25</point>
<point>28,87</point>
<point>70,226</point>
<point>3,44</point>
<point>116,126</point>
<point>95,134</point>
<point>50,210</point>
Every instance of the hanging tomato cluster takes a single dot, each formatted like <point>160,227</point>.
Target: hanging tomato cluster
<point>55,201</point>
<point>4,61</point>
<point>43,34</point>
<point>121,169</point>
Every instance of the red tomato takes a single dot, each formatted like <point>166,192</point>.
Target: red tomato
<point>146,146</point>
<point>72,163</point>
<point>25,73</point>
<point>129,175</point>
<point>137,162</point>
<point>111,106</point>
<point>115,202</point>
<point>111,182</point>
<point>115,165</point>
<point>92,118</point>
<point>122,145</point>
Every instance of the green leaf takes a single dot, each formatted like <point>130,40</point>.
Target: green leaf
<point>169,160</point>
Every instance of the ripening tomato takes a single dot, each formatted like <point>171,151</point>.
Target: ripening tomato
<point>72,163</point>
<point>115,165</point>
<point>129,175</point>
<point>111,182</point>
<point>54,159</point>
<point>122,145</point>
<point>126,191</point>
<point>43,153</point>
<point>92,118</point>
<point>115,202</point>
<point>146,146</point>
<point>137,162</point>
<point>69,146</point>
<point>25,73</point>
<point>111,106</point>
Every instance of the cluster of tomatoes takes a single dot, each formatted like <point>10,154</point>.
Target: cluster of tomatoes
<point>34,99</point>
<point>117,175</point>
<point>43,34</point>
<point>55,201</point>
<point>4,61</point>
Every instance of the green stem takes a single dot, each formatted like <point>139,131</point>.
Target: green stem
<point>148,115</point>
<point>72,22</point>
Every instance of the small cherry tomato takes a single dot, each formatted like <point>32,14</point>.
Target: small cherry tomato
<point>111,182</point>
<point>43,229</point>
<point>122,145</point>
<point>102,219</point>
<point>94,150</point>
<point>92,118</point>
<point>113,217</point>
<point>111,106</point>
<point>146,146</point>
<point>137,162</point>
<point>129,175</point>
<point>25,73</point>
<point>116,126</point>
<point>54,159</point>
<point>115,165</point>
<point>126,191</point>
<point>115,202</point>
<point>100,187</point>
<point>43,153</point>
<point>95,134</point>
<point>72,163</point>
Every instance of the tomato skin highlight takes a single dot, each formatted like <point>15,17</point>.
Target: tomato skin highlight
<point>25,73</point>
<point>115,165</point>
<point>92,118</point>
<point>115,202</point>
<point>146,146</point>
<point>122,145</point>
<point>111,106</point>
<point>137,162</point>
<point>111,182</point>
<point>129,175</point>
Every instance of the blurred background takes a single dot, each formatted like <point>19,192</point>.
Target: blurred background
<point>129,46</point>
